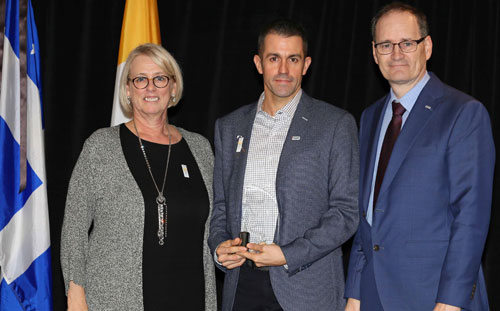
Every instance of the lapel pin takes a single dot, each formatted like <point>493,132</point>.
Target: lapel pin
<point>240,143</point>
<point>305,119</point>
<point>185,170</point>
<point>295,137</point>
<point>428,107</point>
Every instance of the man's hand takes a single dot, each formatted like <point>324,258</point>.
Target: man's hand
<point>444,307</point>
<point>227,253</point>
<point>353,305</point>
<point>76,298</point>
<point>265,254</point>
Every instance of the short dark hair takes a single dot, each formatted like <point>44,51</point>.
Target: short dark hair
<point>402,7</point>
<point>282,27</point>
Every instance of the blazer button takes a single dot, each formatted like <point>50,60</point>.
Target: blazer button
<point>376,248</point>
<point>364,214</point>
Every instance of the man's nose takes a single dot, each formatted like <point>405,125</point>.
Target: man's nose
<point>283,67</point>
<point>396,52</point>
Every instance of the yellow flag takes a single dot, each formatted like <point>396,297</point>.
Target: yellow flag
<point>140,25</point>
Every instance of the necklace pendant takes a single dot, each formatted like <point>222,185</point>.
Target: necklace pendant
<point>161,228</point>
<point>160,199</point>
<point>162,219</point>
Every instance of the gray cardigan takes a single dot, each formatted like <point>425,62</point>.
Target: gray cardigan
<point>102,190</point>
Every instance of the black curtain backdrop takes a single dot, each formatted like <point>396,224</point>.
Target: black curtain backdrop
<point>214,42</point>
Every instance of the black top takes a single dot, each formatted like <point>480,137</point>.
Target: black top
<point>173,277</point>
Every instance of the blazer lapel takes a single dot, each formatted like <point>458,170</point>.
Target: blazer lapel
<point>369,156</point>
<point>243,129</point>
<point>417,120</point>
<point>297,129</point>
<point>294,142</point>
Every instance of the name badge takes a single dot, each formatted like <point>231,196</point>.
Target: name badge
<point>185,170</point>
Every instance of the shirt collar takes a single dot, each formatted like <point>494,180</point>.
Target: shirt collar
<point>409,99</point>
<point>287,111</point>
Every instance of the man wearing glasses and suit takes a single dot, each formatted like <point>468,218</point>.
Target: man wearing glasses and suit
<point>286,171</point>
<point>427,162</point>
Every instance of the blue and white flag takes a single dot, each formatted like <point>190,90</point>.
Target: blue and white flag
<point>25,265</point>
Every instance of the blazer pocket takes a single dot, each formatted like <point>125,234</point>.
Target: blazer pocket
<point>426,249</point>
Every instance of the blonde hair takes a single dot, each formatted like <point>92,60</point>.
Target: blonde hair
<point>160,57</point>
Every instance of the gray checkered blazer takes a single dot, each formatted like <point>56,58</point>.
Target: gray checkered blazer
<point>317,194</point>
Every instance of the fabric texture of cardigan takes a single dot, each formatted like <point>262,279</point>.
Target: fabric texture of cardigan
<point>102,191</point>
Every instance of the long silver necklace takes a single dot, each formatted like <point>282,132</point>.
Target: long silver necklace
<point>160,199</point>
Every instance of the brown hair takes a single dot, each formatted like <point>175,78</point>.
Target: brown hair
<point>282,27</point>
<point>401,7</point>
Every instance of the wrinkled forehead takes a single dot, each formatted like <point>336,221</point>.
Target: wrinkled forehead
<point>143,63</point>
<point>277,43</point>
<point>396,26</point>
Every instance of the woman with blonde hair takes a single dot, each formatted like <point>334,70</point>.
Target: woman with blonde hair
<point>137,213</point>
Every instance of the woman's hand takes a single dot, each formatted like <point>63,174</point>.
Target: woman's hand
<point>76,298</point>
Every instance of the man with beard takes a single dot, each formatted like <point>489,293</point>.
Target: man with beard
<point>286,171</point>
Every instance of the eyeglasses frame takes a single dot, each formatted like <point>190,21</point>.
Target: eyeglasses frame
<point>150,79</point>
<point>399,45</point>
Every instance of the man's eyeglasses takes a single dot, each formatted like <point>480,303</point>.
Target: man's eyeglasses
<point>406,46</point>
<point>143,82</point>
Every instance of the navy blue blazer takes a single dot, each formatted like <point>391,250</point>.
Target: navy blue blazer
<point>432,214</point>
<point>317,191</point>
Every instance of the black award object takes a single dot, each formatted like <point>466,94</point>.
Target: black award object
<point>245,239</point>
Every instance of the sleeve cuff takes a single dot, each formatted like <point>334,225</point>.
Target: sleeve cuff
<point>216,258</point>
